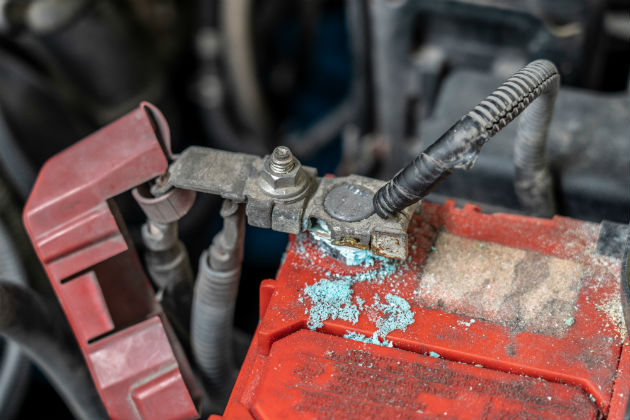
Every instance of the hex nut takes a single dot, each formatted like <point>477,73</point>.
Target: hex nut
<point>283,185</point>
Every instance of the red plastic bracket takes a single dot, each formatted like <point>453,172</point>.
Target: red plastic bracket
<point>137,364</point>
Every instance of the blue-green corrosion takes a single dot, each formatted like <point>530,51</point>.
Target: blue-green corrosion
<point>333,297</point>
<point>397,315</point>
<point>365,339</point>
<point>351,256</point>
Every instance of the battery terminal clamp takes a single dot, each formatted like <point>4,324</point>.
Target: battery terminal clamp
<point>282,195</point>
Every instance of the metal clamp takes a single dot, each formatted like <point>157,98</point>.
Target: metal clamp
<point>283,195</point>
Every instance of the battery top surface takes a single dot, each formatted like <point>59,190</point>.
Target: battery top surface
<point>490,316</point>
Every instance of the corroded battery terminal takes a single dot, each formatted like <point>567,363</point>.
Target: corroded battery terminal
<point>283,195</point>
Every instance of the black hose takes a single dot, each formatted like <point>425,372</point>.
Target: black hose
<point>13,161</point>
<point>42,333</point>
<point>14,366</point>
<point>459,147</point>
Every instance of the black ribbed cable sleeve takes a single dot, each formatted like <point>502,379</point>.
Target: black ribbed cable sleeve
<point>459,147</point>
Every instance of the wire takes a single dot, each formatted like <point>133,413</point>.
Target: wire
<point>459,147</point>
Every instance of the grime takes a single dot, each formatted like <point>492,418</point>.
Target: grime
<point>350,255</point>
<point>523,289</point>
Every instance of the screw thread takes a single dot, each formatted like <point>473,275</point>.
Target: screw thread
<point>281,160</point>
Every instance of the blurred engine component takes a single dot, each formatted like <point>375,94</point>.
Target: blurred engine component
<point>261,97</point>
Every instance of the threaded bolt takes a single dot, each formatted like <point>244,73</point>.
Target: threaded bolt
<point>281,160</point>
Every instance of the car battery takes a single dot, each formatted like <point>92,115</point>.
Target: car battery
<point>490,316</point>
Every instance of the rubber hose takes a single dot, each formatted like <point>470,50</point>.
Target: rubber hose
<point>38,327</point>
<point>14,366</point>
<point>14,162</point>
<point>459,147</point>
<point>212,322</point>
<point>236,27</point>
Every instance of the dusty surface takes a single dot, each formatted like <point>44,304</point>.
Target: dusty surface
<point>522,289</point>
<point>613,309</point>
